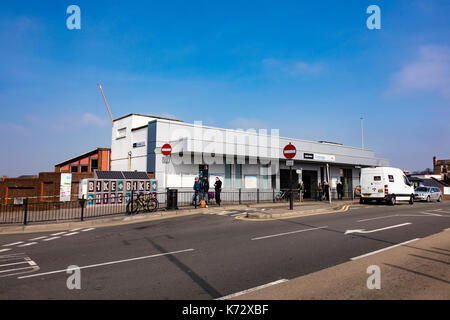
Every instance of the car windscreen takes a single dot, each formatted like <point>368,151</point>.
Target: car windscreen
<point>423,189</point>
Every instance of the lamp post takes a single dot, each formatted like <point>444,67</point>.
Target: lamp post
<point>362,133</point>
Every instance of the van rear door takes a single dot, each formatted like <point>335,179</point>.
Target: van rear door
<point>372,185</point>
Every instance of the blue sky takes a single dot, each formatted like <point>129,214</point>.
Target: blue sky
<point>309,68</point>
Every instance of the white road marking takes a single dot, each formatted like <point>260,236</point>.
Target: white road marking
<point>70,234</point>
<point>431,214</point>
<point>27,244</point>
<point>88,229</point>
<point>17,269</point>
<point>59,233</point>
<point>252,289</point>
<point>395,215</point>
<point>4,250</point>
<point>381,250</point>
<point>12,244</point>
<point>376,230</point>
<point>286,233</point>
<point>38,238</point>
<point>50,239</point>
<point>108,263</point>
<point>11,264</point>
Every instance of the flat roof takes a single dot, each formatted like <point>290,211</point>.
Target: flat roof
<point>145,115</point>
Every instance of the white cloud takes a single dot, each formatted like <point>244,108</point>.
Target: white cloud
<point>92,120</point>
<point>430,72</point>
<point>292,68</point>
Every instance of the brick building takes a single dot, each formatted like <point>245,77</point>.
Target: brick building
<point>98,159</point>
<point>42,188</point>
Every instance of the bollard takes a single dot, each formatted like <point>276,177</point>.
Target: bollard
<point>82,204</point>
<point>132,202</point>
<point>273,195</point>
<point>25,215</point>
<point>240,200</point>
<point>257,195</point>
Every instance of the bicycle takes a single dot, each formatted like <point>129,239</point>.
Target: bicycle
<point>282,195</point>
<point>147,203</point>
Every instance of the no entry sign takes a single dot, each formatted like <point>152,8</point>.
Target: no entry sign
<point>166,149</point>
<point>289,151</point>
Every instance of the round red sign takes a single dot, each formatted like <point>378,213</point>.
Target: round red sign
<point>289,151</point>
<point>166,149</point>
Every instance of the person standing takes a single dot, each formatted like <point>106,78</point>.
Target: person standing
<point>205,190</point>
<point>326,187</point>
<point>217,189</point>
<point>196,191</point>
<point>320,191</point>
<point>339,189</point>
<point>302,190</point>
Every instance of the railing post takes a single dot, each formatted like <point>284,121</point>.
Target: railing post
<point>240,198</point>
<point>25,215</point>
<point>257,195</point>
<point>82,203</point>
<point>132,201</point>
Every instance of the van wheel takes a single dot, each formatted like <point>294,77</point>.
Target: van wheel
<point>428,199</point>
<point>393,201</point>
<point>361,201</point>
<point>440,198</point>
<point>411,200</point>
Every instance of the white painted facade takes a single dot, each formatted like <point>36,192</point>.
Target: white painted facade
<point>241,159</point>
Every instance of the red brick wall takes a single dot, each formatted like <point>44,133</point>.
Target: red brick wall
<point>39,189</point>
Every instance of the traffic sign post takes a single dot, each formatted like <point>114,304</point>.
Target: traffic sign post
<point>289,153</point>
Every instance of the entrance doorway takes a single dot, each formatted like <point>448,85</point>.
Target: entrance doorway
<point>310,181</point>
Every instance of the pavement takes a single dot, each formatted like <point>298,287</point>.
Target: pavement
<point>217,256</point>
<point>249,211</point>
<point>416,270</point>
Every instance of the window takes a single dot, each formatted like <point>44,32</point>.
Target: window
<point>84,168</point>
<point>391,178</point>
<point>121,133</point>
<point>237,176</point>
<point>227,182</point>
<point>74,169</point>
<point>94,164</point>
<point>405,179</point>
<point>377,178</point>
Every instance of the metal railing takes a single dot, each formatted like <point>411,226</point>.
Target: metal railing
<point>32,212</point>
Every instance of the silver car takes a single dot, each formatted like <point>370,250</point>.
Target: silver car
<point>427,194</point>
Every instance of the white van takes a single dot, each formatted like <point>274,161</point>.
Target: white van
<point>385,184</point>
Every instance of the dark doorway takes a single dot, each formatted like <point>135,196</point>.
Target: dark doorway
<point>347,182</point>
<point>310,180</point>
<point>284,179</point>
<point>203,171</point>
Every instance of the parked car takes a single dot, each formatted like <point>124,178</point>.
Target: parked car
<point>385,184</point>
<point>424,193</point>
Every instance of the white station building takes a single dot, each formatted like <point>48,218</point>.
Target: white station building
<point>241,159</point>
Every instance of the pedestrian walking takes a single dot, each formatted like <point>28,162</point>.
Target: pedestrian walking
<point>218,189</point>
<point>340,190</point>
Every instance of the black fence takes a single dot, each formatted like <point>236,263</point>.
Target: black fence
<point>32,212</point>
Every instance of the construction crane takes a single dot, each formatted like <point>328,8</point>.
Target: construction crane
<point>106,103</point>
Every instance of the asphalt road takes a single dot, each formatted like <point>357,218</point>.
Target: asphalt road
<point>204,256</point>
